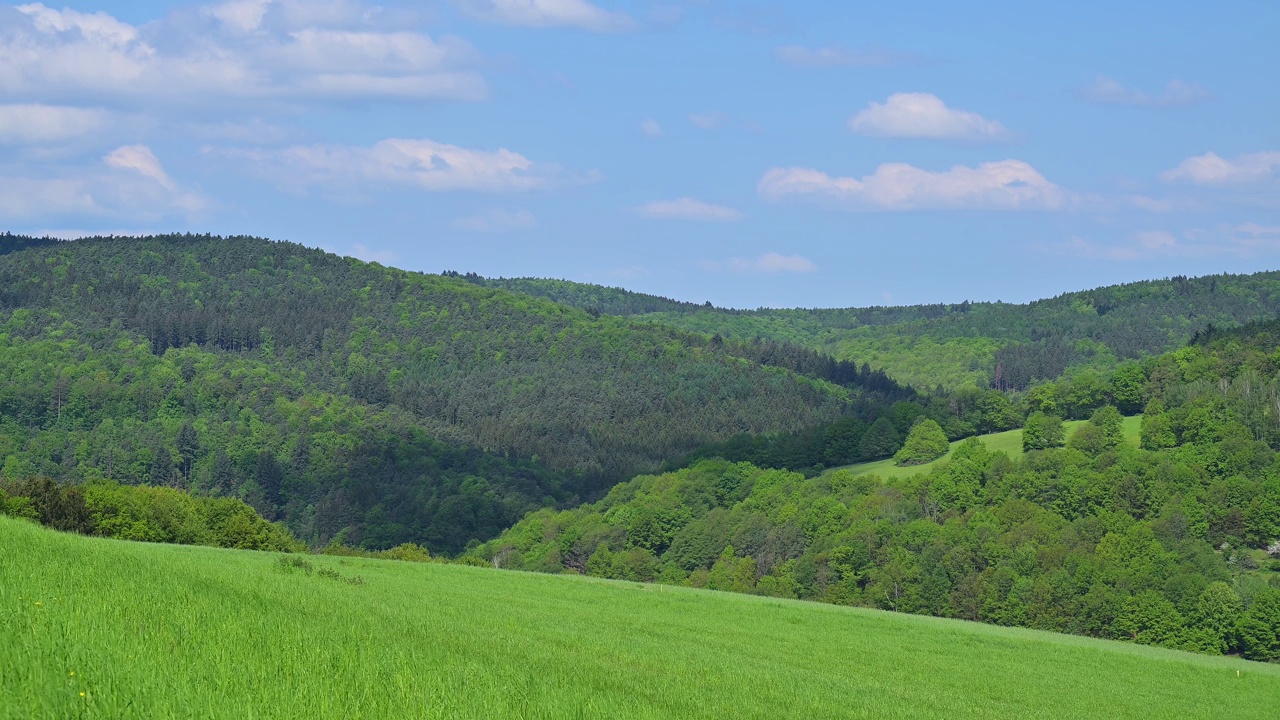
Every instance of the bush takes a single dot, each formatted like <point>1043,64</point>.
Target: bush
<point>925,443</point>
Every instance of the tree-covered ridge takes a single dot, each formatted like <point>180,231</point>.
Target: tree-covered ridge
<point>1174,543</point>
<point>598,398</point>
<point>88,406</point>
<point>592,298</point>
<point>962,344</point>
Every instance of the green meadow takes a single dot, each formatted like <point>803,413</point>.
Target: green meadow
<point>1009,442</point>
<point>96,628</point>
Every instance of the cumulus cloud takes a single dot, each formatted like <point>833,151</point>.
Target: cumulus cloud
<point>840,56</point>
<point>549,13</point>
<point>651,128</point>
<point>129,183</point>
<point>922,115</point>
<point>1105,91</point>
<point>231,52</point>
<point>40,124</point>
<point>1004,185</point>
<point>1211,169</point>
<point>422,164</point>
<point>496,220</point>
<point>689,209</point>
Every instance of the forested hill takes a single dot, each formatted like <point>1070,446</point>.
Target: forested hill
<point>345,396</point>
<point>1174,540</point>
<point>962,344</point>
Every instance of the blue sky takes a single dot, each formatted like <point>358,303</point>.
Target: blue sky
<point>780,154</point>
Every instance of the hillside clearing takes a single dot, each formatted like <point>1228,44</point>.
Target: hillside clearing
<point>103,628</point>
<point>1009,442</point>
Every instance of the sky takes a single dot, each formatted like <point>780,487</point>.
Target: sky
<point>798,154</point>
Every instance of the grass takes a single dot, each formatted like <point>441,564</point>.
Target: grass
<point>94,628</point>
<point>1008,442</point>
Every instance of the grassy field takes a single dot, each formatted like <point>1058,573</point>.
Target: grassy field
<point>93,628</point>
<point>1009,442</point>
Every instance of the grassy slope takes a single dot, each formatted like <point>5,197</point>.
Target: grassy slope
<point>1008,442</point>
<point>153,631</point>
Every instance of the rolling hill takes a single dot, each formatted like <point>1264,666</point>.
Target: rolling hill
<point>356,401</point>
<point>105,628</point>
<point>960,344</point>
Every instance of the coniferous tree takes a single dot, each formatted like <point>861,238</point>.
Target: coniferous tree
<point>880,440</point>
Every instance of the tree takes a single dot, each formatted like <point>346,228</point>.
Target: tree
<point>1087,439</point>
<point>1042,431</point>
<point>1260,627</point>
<point>1217,612</point>
<point>1150,619</point>
<point>925,443</point>
<point>1128,387</point>
<point>188,448</point>
<point>1110,424</point>
<point>268,475</point>
<point>1157,431</point>
<point>880,440</point>
<point>223,475</point>
<point>162,467</point>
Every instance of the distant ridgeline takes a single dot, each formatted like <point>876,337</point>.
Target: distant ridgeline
<point>349,399</point>
<point>1175,542</point>
<point>1000,345</point>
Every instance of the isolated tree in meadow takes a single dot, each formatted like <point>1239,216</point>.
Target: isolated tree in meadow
<point>925,443</point>
<point>1110,424</point>
<point>880,440</point>
<point>1042,432</point>
<point>1088,439</point>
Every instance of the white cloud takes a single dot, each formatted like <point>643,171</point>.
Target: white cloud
<point>141,160</point>
<point>1004,185</point>
<point>241,15</point>
<point>840,56</point>
<point>922,115</point>
<point>708,120</point>
<point>39,124</point>
<point>128,184</point>
<point>773,263</point>
<point>228,52</point>
<point>549,13</point>
<point>689,209</point>
<point>1210,169</point>
<point>423,164</point>
<point>497,220</point>
<point>1105,91</point>
<point>651,128</point>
